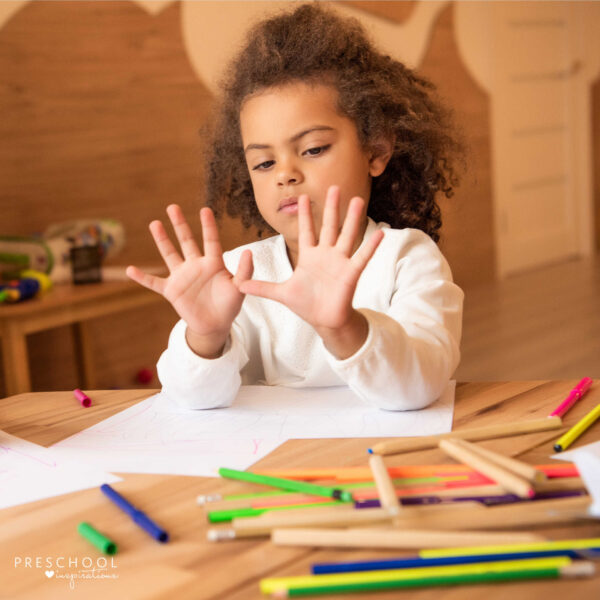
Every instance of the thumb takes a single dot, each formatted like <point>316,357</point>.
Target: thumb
<point>245,269</point>
<point>263,289</point>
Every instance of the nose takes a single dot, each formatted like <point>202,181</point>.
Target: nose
<point>288,173</point>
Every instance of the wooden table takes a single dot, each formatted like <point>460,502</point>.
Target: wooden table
<point>189,567</point>
<point>65,304</point>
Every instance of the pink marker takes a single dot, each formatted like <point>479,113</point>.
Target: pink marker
<point>577,392</point>
<point>83,399</point>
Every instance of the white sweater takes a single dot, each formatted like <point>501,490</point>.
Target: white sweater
<point>406,293</point>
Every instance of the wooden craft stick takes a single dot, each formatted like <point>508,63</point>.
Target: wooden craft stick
<point>383,482</point>
<point>528,472</point>
<point>473,435</point>
<point>395,538</point>
<point>507,479</point>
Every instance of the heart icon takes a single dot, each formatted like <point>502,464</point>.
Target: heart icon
<point>49,574</point>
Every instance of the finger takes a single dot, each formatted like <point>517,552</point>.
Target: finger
<point>330,228</point>
<point>365,252</point>
<point>210,233</point>
<point>263,289</point>
<point>245,268</point>
<point>164,245</point>
<point>306,228</point>
<point>184,234</point>
<point>351,226</point>
<point>152,282</point>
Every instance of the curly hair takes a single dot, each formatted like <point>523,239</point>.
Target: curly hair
<point>384,98</point>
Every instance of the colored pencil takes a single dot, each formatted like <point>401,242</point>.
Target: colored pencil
<point>568,438</point>
<point>577,570</point>
<point>507,479</point>
<point>480,433</point>
<point>352,474</point>
<point>576,544</point>
<point>579,548</point>
<point>424,576</point>
<point>492,500</point>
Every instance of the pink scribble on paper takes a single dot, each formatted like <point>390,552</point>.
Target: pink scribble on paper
<point>8,449</point>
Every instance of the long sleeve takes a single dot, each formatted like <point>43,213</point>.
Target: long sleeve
<point>412,347</point>
<point>413,308</point>
<point>195,382</point>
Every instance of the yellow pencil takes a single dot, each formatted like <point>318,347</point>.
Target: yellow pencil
<point>272,584</point>
<point>566,440</point>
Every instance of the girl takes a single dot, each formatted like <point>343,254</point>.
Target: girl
<point>327,142</point>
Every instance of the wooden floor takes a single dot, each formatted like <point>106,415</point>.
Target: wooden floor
<point>544,324</point>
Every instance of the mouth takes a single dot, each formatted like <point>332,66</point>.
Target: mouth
<point>289,205</point>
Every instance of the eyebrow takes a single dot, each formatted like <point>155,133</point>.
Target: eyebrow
<point>294,138</point>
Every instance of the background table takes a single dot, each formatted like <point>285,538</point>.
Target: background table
<point>189,567</point>
<point>65,304</point>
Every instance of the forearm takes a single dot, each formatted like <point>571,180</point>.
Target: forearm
<point>399,369</point>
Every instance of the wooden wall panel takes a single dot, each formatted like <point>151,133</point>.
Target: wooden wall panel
<point>101,116</point>
<point>467,229</point>
<point>395,11</point>
<point>595,91</point>
<point>467,235</point>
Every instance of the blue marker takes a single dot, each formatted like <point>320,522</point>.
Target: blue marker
<point>139,518</point>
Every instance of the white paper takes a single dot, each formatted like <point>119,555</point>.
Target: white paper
<point>30,472</point>
<point>587,459</point>
<point>156,436</point>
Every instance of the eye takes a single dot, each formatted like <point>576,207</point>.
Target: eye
<point>263,165</point>
<point>317,150</point>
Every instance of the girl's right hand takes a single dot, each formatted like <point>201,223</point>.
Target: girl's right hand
<point>199,287</point>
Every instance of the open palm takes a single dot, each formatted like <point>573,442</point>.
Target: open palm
<point>199,286</point>
<point>322,286</point>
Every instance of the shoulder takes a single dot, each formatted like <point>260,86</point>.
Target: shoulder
<point>412,249</point>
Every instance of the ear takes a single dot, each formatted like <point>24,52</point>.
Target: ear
<point>381,152</point>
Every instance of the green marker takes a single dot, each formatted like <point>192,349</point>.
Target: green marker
<point>288,484</point>
<point>96,538</point>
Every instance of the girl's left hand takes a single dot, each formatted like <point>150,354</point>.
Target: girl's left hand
<point>321,289</point>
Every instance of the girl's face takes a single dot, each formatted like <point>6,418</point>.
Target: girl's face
<point>297,142</point>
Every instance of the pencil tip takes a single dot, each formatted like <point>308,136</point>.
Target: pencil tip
<point>557,448</point>
<point>206,498</point>
<point>219,535</point>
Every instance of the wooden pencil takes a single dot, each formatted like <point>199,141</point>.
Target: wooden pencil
<point>435,517</point>
<point>394,538</point>
<point>383,482</point>
<point>479,433</point>
<point>507,479</point>
<point>524,470</point>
